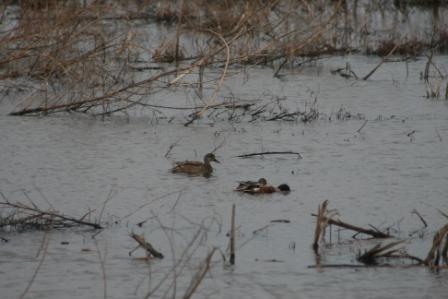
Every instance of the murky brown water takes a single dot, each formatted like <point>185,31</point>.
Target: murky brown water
<point>377,176</point>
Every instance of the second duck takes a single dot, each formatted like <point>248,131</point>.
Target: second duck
<point>196,167</point>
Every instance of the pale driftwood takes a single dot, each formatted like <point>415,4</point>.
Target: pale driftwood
<point>320,225</point>
<point>432,259</point>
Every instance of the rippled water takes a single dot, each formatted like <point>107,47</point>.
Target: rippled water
<point>376,176</point>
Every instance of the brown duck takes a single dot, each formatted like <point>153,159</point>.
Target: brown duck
<point>196,167</point>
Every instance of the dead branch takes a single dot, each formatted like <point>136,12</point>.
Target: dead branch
<point>432,259</point>
<point>147,246</point>
<point>381,62</point>
<point>44,247</point>
<point>199,275</point>
<point>321,224</point>
<point>370,257</point>
<point>39,215</point>
<point>363,125</point>
<point>420,217</point>
<point>299,156</point>
<point>341,266</point>
<point>103,269</point>
<point>370,232</point>
<point>232,237</point>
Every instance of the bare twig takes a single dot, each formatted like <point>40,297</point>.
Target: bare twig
<point>371,256</point>
<point>363,125</point>
<point>53,215</point>
<point>432,259</point>
<point>170,148</point>
<point>147,246</point>
<point>414,211</point>
<point>320,224</point>
<point>232,237</point>
<point>103,269</point>
<point>381,62</point>
<point>109,197</point>
<point>44,246</point>
<point>299,156</point>
<point>199,275</point>
<point>370,232</point>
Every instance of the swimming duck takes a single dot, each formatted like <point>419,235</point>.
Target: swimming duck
<point>248,185</point>
<point>196,167</point>
<point>260,188</point>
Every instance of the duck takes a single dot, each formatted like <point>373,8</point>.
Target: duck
<point>247,185</point>
<point>261,187</point>
<point>196,167</point>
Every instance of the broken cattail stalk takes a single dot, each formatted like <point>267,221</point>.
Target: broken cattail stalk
<point>370,257</point>
<point>199,275</point>
<point>370,232</point>
<point>433,256</point>
<point>381,62</point>
<point>420,217</point>
<point>320,225</point>
<point>232,237</point>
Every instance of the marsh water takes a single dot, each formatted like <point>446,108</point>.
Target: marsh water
<point>377,152</point>
<point>376,176</point>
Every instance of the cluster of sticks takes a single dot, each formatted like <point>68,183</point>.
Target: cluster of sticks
<point>436,258</point>
<point>24,217</point>
<point>180,263</point>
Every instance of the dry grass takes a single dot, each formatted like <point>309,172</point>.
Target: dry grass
<point>79,55</point>
<point>439,250</point>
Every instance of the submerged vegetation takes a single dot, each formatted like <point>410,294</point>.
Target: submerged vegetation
<point>379,255</point>
<point>103,57</point>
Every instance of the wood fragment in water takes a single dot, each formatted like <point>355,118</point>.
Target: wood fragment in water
<point>147,246</point>
<point>197,279</point>
<point>433,257</point>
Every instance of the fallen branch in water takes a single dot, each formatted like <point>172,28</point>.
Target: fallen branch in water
<point>299,156</point>
<point>381,62</point>
<point>197,279</point>
<point>43,252</point>
<point>439,249</point>
<point>38,218</point>
<point>232,237</point>
<point>370,256</point>
<point>436,259</point>
<point>339,266</point>
<point>370,232</point>
<point>420,216</point>
<point>363,125</point>
<point>321,224</point>
<point>150,250</point>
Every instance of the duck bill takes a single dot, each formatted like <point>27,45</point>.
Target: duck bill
<point>216,161</point>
